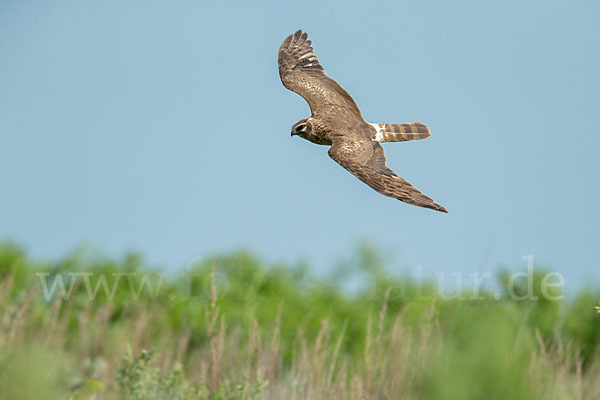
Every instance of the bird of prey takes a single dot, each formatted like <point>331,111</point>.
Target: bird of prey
<point>336,121</point>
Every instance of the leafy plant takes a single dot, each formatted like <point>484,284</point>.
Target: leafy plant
<point>138,379</point>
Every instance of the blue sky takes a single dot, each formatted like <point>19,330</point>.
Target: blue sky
<point>163,127</point>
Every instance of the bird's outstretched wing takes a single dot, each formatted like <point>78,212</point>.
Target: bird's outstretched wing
<point>365,160</point>
<point>301,72</point>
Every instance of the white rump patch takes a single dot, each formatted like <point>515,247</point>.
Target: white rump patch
<point>379,135</point>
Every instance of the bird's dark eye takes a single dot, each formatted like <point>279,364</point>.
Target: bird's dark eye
<point>299,128</point>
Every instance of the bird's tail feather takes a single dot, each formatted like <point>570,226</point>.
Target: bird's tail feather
<point>400,132</point>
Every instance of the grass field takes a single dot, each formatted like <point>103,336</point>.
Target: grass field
<point>232,327</point>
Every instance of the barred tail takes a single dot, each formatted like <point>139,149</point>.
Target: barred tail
<point>400,132</point>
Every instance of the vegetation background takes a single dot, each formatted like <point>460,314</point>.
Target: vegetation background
<point>235,328</point>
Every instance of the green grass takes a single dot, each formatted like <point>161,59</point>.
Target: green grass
<point>238,329</point>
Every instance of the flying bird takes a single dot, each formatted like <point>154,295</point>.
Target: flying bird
<point>336,121</point>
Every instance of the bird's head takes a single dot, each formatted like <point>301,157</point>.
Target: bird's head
<point>302,128</point>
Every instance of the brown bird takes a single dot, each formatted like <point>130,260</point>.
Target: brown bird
<point>336,121</point>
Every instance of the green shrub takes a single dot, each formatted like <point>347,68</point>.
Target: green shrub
<point>139,380</point>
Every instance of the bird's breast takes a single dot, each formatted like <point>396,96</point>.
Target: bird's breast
<point>317,138</point>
